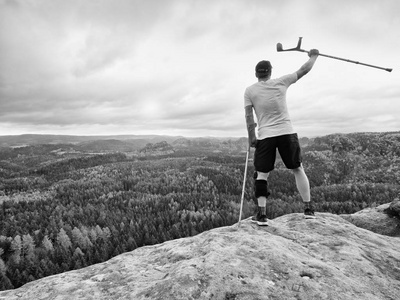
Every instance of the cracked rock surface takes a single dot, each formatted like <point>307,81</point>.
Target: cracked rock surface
<point>292,258</point>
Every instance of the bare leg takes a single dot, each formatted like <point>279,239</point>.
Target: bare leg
<point>303,186</point>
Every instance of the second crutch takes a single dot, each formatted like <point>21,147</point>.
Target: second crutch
<point>244,185</point>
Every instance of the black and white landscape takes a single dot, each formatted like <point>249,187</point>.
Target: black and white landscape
<point>67,202</point>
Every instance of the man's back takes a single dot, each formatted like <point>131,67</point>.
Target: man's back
<point>268,98</point>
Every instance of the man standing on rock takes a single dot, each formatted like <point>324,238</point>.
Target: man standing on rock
<point>268,99</point>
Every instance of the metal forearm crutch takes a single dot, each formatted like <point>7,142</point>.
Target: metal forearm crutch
<point>244,185</point>
<point>279,48</point>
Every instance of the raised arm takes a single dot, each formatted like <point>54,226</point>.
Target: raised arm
<point>251,126</point>
<point>304,69</point>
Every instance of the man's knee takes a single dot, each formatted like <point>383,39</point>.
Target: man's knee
<point>298,169</point>
<point>261,175</point>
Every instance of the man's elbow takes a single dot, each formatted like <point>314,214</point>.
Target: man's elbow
<point>249,120</point>
<point>301,73</point>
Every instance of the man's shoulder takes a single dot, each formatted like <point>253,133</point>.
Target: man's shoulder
<point>286,79</point>
<point>291,75</point>
<point>251,87</point>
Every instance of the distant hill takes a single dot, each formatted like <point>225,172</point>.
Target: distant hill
<point>35,139</point>
<point>39,144</point>
<point>372,143</point>
<point>112,145</point>
<point>161,148</point>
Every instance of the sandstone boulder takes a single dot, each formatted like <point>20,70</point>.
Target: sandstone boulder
<point>382,219</point>
<point>394,208</point>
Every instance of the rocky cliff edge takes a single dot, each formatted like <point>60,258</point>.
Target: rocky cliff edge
<point>293,258</point>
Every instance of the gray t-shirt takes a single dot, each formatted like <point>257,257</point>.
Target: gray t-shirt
<point>268,98</point>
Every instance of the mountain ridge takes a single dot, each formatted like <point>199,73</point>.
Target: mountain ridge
<point>34,139</point>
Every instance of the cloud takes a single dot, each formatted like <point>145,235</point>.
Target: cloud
<point>182,66</point>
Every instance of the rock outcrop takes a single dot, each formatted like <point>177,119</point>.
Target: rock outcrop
<point>383,219</point>
<point>292,258</point>
<point>394,208</point>
<point>161,148</point>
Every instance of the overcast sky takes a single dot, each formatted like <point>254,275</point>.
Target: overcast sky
<point>180,67</point>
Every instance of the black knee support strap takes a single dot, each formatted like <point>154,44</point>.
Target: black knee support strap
<point>261,188</point>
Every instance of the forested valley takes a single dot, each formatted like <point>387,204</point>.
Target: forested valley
<point>64,206</point>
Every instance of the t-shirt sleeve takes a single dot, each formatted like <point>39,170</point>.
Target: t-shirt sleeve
<point>247,100</point>
<point>289,79</point>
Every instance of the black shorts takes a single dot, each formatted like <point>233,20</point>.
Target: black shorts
<point>289,150</point>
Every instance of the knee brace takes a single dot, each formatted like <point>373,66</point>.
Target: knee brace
<point>261,188</point>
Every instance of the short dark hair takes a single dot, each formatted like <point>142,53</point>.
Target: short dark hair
<point>263,69</point>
